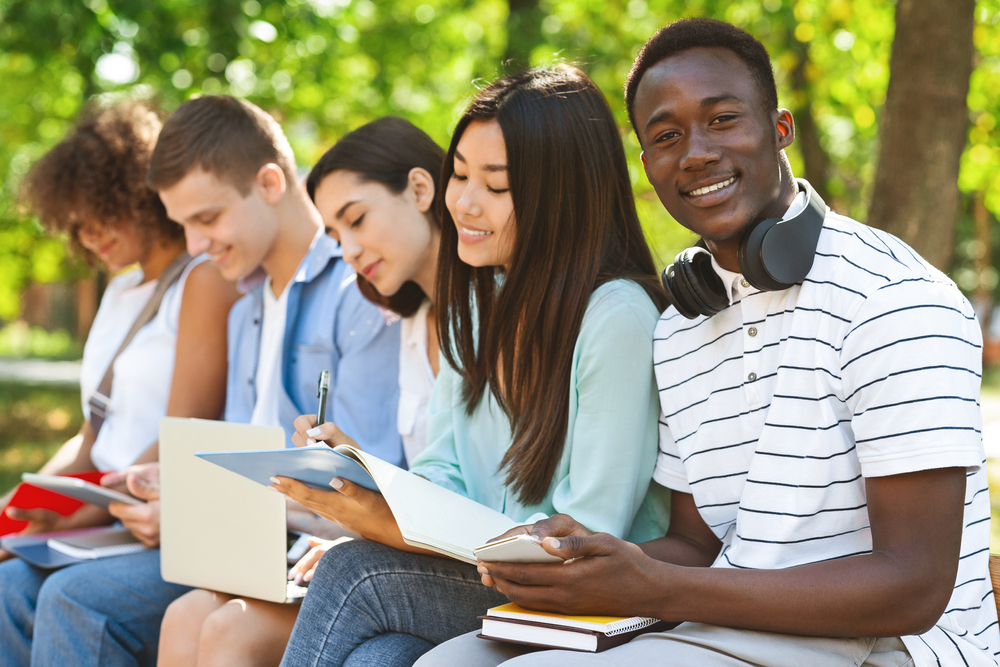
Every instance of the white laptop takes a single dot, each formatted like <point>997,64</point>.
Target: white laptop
<point>218,530</point>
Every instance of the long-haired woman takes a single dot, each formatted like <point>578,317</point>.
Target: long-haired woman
<point>375,189</point>
<point>547,298</point>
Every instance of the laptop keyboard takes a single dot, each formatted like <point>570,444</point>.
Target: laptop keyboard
<point>294,591</point>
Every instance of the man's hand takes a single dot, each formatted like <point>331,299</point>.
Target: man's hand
<point>602,575</point>
<point>307,433</point>
<point>143,482</point>
<point>558,525</point>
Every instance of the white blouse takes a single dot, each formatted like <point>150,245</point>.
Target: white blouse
<point>416,380</point>
<point>143,371</point>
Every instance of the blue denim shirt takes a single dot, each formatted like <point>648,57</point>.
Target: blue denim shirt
<point>329,326</point>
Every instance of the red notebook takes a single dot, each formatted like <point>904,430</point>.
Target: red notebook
<point>31,497</point>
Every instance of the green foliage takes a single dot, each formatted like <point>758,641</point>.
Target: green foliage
<point>324,67</point>
<point>17,339</point>
<point>981,159</point>
<point>34,422</point>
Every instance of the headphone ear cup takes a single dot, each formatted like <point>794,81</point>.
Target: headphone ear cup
<point>751,258</point>
<point>693,286</point>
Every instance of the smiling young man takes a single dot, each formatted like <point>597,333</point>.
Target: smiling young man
<point>822,441</point>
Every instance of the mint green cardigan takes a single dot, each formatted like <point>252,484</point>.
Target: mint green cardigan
<point>603,479</point>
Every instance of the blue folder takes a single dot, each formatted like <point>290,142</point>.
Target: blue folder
<point>314,466</point>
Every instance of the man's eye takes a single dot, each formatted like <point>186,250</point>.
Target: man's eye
<point>722,119</point>
<point>667,136</point>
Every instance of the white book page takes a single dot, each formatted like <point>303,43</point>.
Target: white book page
<point>431,516</point>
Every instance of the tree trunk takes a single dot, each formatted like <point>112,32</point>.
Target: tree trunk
<point>923,126</point>
<point>814,158</point>
<point>524,33</point>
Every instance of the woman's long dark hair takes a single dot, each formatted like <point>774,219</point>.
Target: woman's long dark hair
<point>576,228</point>
<point>384,151</point>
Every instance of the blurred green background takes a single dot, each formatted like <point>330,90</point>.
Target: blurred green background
<point>323,67</point>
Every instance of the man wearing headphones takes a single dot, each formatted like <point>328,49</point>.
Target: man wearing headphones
<point>821,429</point>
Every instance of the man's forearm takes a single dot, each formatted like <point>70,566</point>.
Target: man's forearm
<point>678,551</point>
<point>872,595</point>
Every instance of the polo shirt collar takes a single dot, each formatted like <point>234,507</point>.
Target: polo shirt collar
<point>737,287</point>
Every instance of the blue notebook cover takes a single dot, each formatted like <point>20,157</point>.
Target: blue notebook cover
<point>314,466</point>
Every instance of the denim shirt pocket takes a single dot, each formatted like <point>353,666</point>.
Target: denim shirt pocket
<point>308,362</point>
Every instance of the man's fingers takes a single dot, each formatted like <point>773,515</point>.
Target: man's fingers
<point>579,546</point>
<point>32,515</point>
<point>114,480</point>
<point>559,525</point>
<point>540,598</point>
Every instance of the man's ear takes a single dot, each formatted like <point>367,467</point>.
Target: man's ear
<point>421,184</point>
<point>272,183</point>
<point>784,128</point>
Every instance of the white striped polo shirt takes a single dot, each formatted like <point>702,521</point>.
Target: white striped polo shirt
<point>776,409</point>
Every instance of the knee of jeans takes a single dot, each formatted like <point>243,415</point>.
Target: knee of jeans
<point>348,562</point>
<point>67,586</point>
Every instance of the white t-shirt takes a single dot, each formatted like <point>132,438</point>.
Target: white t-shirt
<point>272,343</point>
<point>416,380</point>
<point>143,371</point>
<point>777,409</point>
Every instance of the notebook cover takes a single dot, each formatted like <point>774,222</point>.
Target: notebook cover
<point>97,540</point>
<point>541,616</point>
<point>604,642</point>
<point>34,549</point>
<point>30,497</point>
<point>314,466</point>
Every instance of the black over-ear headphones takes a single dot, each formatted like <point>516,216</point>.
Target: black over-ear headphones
<point>774,254</point>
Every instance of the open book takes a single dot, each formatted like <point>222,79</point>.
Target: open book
<point>429,516</point>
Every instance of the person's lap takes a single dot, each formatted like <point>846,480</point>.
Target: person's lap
<point>105,612</point>
<point>19,587</point>
<point>688,644</point>
<point>372,604</point>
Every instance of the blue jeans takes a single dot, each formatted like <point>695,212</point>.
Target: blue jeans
<point>372,605</point>
<point>106,612</point>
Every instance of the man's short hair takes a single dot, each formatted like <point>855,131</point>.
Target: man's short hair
<point>228,138</point>
<point>687,34</point>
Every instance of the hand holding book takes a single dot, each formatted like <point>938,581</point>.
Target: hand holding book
<point>606,575</point>
<point>350,506</point>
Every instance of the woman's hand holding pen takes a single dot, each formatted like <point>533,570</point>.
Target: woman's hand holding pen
<point>307,433</point>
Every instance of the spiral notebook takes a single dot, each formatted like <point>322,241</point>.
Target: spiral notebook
<point>96,544</point>
<point>512,623</point>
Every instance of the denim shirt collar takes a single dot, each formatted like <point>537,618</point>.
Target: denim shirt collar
<point>322,249</point>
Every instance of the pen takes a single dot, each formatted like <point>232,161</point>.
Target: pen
<point>324,387</point>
